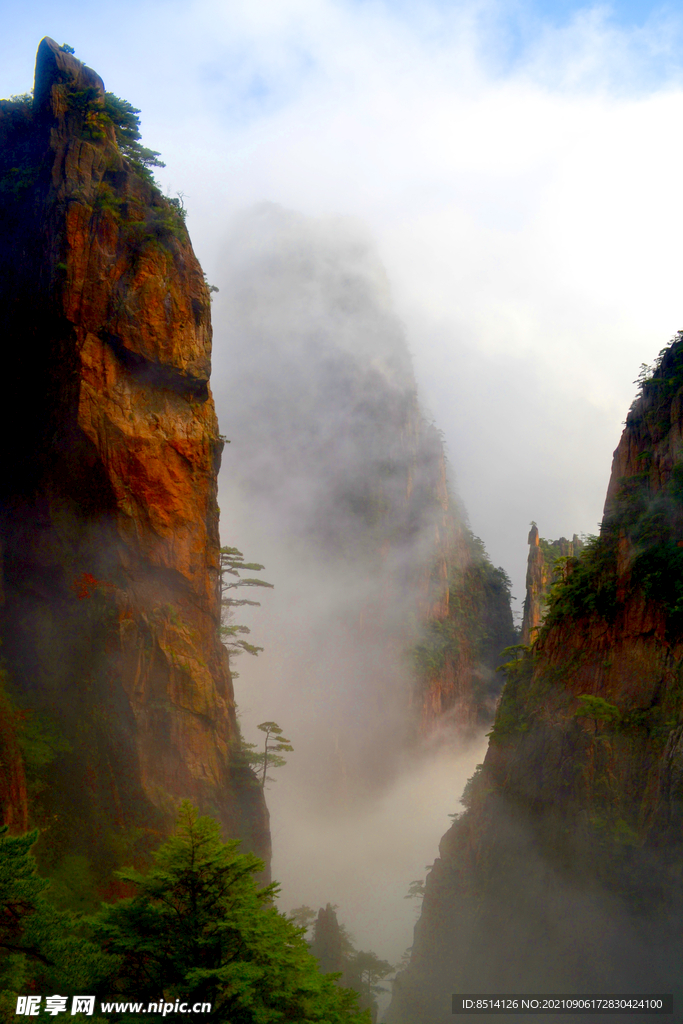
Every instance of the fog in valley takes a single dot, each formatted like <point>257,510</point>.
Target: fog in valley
<point>315,391</point>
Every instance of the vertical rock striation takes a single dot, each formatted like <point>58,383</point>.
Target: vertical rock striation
<point>109,519</point>
<point>564,872</point>
<point>540,575</point>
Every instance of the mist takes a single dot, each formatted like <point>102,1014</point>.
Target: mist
<point>333,481</point>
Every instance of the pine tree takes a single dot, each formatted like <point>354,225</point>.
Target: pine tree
<point>231,564</point>
<point>200,930</point>
<point>41,948</point>
<point>275,744</point>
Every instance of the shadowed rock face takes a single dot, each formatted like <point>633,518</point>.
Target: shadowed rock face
<point>109,517</point>
<point>564,872</point>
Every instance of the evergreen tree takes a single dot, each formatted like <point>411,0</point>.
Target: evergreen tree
<point>275,744</point>
<point>41,948</point>
<point>124,117</point>
<point>231,565</point>
<point>200,930</point>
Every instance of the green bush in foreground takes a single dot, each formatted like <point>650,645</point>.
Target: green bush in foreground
<point>198,929</point>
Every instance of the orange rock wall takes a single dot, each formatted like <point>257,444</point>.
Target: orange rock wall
<point>109,513</point>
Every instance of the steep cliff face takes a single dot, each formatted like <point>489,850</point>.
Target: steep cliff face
<point>461,639</point>
<point>540,574</point>
<point>347,479</point>
<point>109,521</point>
<point>564,872</point>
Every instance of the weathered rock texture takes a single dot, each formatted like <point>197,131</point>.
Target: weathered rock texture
<point>540,575</point>
<point>565,871</point>
<point>109,520</point>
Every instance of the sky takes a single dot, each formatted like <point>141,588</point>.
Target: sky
<point>516,162</point>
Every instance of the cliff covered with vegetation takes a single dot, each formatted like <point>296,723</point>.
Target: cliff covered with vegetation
<point>545,562</point>
<point>563,872</point>
<point>117,697</point>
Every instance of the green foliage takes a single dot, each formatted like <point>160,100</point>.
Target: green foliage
<point>106,199</point>
<point>41,948</point>
<point>652,523</point>
<point>73,885</point>
<point>275,744</point>
<point>587,584</point>
<point>441,638</point>
<point>654,720</point>
<point>232,564</point>
<point>470,786</point>
<point>361,969</point>
<point>199,929</point>
<point>124,118</point>
<point>598,709</point>
<point>416,890</point>
<point>363,972</point>
<point>16,182</point>
<point>512,714</point>
<point>159,227</point>
<point>41,742</point>
<point>659,382</point>
<point>39,738</point>
<point>303,916</point>
<point>473,627</point>
<point>178,207</point>
<point>67,48</point>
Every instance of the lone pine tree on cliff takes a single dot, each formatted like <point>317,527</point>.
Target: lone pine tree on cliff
<point>231,565</point>
<point>275,744</point>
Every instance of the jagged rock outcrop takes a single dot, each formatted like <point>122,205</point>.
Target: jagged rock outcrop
<point>564,872</point>
<point>326,945</point>
<point>540,576</point>
<point>108,514</point>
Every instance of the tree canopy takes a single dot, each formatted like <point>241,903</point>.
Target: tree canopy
<point>124,117</point>
<point>200,929</point>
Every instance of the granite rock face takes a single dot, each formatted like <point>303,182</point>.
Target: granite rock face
<point>540,575</point>
<point>109,519</point>
<point>563,874</point>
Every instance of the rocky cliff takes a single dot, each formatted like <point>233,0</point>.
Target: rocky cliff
<point>121,695</point>
<point>540,575</point>
<point>348,481</point>
<point>564,871</point>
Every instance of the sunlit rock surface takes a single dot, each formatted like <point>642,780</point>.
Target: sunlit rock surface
<point>540,574</point>
<point>109,515</point>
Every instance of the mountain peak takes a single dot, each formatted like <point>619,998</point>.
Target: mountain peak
<point>56,67</point>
